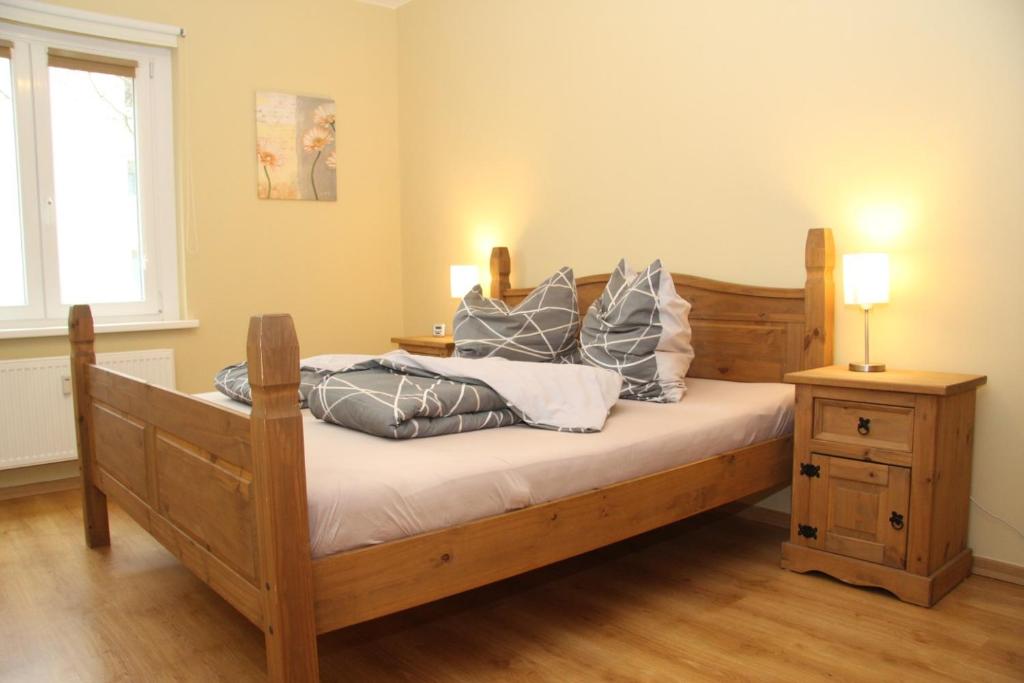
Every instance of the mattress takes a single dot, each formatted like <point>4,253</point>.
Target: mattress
<point>364,490</point>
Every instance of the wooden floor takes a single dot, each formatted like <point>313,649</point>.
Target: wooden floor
<point>703,600</point>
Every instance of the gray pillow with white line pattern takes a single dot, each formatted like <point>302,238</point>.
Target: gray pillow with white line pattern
<point>640,328</point>
<point>542,328</point>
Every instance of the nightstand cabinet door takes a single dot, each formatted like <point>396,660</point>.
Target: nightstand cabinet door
<point>860,509</point>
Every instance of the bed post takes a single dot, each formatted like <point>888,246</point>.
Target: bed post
<point>501,266</point>
<point>819,299</point>
<point>94,501</point>
<point>282,516</point>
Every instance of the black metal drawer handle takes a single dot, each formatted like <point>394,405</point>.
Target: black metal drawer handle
<point>863,426</point>
<point>896,519</point>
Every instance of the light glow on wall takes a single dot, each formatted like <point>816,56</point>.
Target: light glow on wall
<point>882,224</point>
<point>485,237</point>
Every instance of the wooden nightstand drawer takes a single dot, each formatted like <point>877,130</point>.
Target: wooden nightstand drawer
<point>860,509</point>
<point>864,424</point>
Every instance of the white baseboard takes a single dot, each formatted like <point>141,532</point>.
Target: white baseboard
<point>997,569</point>
<point>38,488</point>
<point>762,515</point>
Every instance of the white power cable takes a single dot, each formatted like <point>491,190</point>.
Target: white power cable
<point>997,517</point>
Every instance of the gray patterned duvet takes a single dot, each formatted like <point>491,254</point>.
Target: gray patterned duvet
<point>399,405</point>
<point>233,382</point>
<point>399,396</point>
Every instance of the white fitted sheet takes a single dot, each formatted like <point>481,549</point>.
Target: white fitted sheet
<point>365,490</point>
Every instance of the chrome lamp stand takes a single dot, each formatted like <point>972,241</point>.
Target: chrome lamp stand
<point>867,365</point>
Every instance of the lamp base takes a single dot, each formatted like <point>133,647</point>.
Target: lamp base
<point>867,367</point>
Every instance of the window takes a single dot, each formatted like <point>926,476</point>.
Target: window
<point>86,179</point>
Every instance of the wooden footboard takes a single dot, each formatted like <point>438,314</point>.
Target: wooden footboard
<point>224,492</point>
<point>183,469</point>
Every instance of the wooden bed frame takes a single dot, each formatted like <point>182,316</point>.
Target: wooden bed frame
<point>226,492</point>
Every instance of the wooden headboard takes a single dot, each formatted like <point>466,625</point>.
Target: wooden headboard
<point>740,332</point>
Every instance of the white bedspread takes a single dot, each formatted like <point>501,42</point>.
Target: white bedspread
<point>364,489</point>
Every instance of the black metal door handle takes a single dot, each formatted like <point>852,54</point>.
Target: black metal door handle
<point>863,426</point>
<point>807,531</point>
<point>809,470</point>
<point>896,519</point>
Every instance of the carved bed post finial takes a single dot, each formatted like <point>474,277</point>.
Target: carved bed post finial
<point>282,515</point>
<point>820,299</point>
<point>83,354</point>
<point>501,267</point>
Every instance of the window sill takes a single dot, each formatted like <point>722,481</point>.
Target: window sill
<point>101,328</point>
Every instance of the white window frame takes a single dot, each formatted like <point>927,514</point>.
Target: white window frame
<point>156,178</point>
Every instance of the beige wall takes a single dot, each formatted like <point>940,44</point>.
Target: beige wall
<point>249,256</point>
<point>709,134</point>
<point>713,135</point>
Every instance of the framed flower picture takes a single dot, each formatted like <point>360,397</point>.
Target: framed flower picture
<point>295,153</point>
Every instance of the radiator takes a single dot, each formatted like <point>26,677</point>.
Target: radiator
<point>37,423</point>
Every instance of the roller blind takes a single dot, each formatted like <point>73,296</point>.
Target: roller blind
<point>80,61</point>
<point>5,48</point>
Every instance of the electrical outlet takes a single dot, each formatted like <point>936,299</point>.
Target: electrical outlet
<point>439,329</point>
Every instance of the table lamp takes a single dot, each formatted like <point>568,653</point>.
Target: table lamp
<point>866,283</point>
<point>463,278</point>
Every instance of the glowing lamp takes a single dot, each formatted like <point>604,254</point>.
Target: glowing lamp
<point>463,278</point>
<point>866,283</point>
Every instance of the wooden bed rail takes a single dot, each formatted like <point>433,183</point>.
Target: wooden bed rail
<point>224,492</point>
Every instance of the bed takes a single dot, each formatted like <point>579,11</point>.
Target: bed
<point>228,492</point>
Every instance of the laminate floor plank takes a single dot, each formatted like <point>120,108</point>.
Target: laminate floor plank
<point>703,600</point>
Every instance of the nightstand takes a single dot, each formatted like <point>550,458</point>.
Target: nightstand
<point>882,478</point>
<point>426,345</point>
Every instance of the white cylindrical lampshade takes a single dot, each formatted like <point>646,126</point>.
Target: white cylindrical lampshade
<point>866,279</point>
<point>463,279</point>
